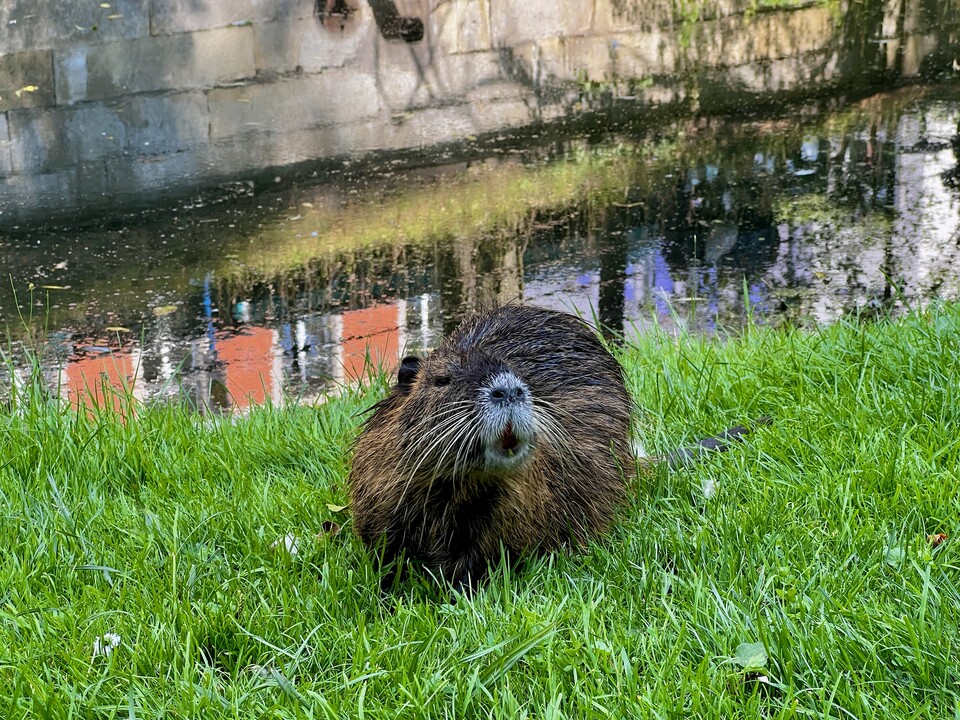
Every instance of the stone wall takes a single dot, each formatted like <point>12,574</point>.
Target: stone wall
<point>113,105</point>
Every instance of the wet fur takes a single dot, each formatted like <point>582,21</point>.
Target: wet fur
<point>419,486</point>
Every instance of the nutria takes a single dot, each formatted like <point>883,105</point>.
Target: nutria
<point>512,436</point>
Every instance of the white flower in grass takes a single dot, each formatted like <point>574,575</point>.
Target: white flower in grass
<point>105,644</point>
<point>709,488</point>
<point>288,542</point>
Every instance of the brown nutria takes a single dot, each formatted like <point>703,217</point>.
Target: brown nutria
<point>513,435</point>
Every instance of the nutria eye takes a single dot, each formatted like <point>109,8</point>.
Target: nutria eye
<point>441,381</point>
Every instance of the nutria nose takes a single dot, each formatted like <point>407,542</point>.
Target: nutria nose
<point>506,392</point>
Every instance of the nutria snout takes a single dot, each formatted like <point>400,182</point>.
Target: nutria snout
<point>505,410</point>
<point>512,436</point>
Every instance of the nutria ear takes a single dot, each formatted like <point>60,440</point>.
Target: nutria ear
<point>409,367</point>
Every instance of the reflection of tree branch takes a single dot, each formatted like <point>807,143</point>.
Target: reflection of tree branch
<point>392,26</point>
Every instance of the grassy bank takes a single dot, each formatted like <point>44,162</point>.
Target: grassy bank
<point>807,561</point>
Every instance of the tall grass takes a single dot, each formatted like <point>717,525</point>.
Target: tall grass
<point>207,546</point>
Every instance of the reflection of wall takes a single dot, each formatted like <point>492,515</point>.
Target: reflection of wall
<point>832,260</point>
<point>925,249</point>
<point>488,270</point>
<point>133,101</point>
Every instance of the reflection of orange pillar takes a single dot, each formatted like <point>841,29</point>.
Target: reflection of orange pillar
<point>248,361</point>
<point>100,381</point>
<point>376,330</point>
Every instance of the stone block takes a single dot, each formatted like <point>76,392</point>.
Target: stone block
<point>808,30</point>
<point>461,26</point>
<point>513,22</point>
<point>737,41</point>
<point>410,77</point>
<point>787,75</point>
<point>237,155</point>
<point>405,74</point>
<point>425,127</point>
<point>45,140</point>
<point>454,74</point>
<point>593,58</point>
<point>642,54</point>
<point>165,173</point>
<point>662,94</point>
<point>432,126</point>
<point>94,188</point>
<point>33,197</point>
<point>293,9</point>
<point>157,124</point>
<point>419,128</point>
<point>752,78</point>
<point>500,91</point>
<point>26,69</point>
<point>547,60</point>
<point>46,24</point>
<point>305,44</point>
<point>276,46</point>
<point>623,15</point>
<point>335,96</point>
<point>171,62</point>
<point>168,17</point>
<point>603,58</point>
<point>499,115</point>
<point>740,40</point>
<point>321,48</point>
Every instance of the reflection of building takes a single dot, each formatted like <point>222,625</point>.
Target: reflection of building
<point>371,338</point>
<point>102,377</point>
<point>250,367</point>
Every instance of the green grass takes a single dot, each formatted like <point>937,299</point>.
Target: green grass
<point>162,529</point>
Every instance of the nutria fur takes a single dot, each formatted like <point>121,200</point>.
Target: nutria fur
<point>512,436</point>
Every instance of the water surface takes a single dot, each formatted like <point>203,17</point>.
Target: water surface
<point>799,215</point>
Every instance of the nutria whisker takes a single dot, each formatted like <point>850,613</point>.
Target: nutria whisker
<point>423,443</point>
<point>439,466</point>
<point>463,449</point>
<point>445,411</point>
<point>551,431</point>
<point>447,419</point>
<point>451,429</point>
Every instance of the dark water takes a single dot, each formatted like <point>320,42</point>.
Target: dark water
<point>805,214</point>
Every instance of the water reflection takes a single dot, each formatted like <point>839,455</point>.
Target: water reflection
<point>802,219</point>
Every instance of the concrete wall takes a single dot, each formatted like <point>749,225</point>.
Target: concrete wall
<point>126,102</point>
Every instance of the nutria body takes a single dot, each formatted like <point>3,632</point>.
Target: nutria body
<point>513,435</point>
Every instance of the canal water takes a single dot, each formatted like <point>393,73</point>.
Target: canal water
<point>802,215</point>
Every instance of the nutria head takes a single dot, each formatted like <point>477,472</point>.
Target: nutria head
<point>463,415</point>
